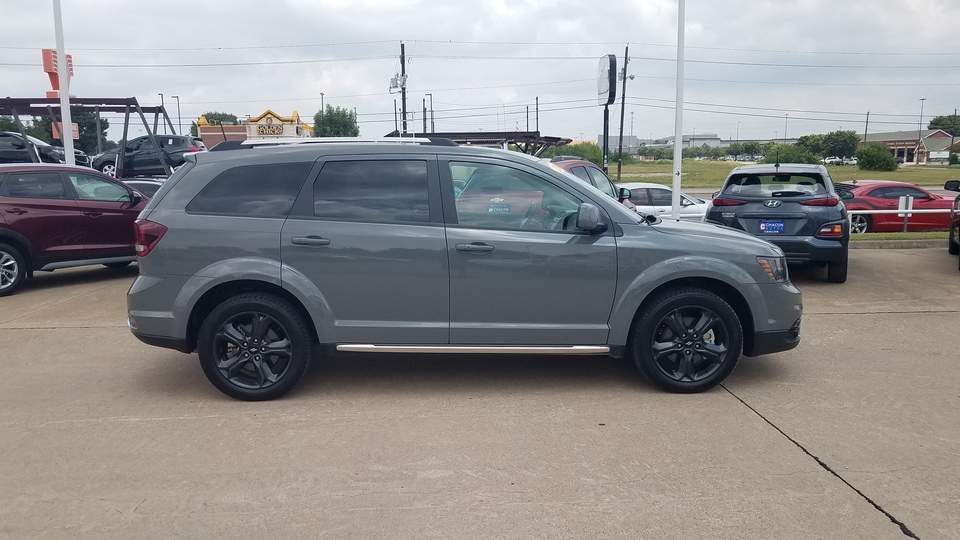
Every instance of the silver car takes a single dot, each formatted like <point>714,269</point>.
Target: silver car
<point>260,256</point>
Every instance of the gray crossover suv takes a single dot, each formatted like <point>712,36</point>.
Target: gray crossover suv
<point>259,256</point>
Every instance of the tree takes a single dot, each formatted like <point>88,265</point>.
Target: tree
<point>587,150</point>
<point>735,149</point>
<point>876,157</point>
<point>751,148</point>
<point>812,144</point>
<point>335,122</point>
<point>950,124</point>
<point>7,124</point>
<point>214,118</point>
<point>87,126</point>
<point>32,128</point>
<point>788,153</point>
<point>840,143</point>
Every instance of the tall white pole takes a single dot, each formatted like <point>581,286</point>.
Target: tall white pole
<point>63,73</point>
<point>678,128</point>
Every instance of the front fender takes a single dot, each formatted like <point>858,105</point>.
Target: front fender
<point>635,291</point>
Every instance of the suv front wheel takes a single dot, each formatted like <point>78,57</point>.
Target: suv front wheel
<point>254,347</point>
<point>12,269</point>
<point>687,340</point>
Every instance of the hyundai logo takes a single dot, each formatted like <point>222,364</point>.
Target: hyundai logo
<point>772,204</point>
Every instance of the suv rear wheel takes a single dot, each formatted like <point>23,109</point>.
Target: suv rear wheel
<point>837,271</point>
<point>254,347</point>
<point>12,269</point>
<point>953,243</point>
<point>687,340</point>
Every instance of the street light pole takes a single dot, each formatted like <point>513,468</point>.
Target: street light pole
<point>433,127</point>
<point>785,118</point>
<point>916,156</point>
<point>321,103</point>
<point>164,112</point>
<point>179,122</point>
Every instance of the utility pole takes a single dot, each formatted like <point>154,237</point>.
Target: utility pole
<point>537,113</point>
<point>403,87</point>
<point>623,108</point>
<point>952,134</point>
<point>631,123</point>
<point>424,115</point>
<point>865,126</point>
<point>433,126</point>
<point>528,118</point>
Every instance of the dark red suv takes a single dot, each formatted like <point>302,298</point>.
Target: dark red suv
<point>58,216</point>
<point>589,173</point>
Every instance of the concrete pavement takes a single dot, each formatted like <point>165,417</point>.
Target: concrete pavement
<point>848,436</point>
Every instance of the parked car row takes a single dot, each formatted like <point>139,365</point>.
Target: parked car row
<point>15,149</point>
<point>141,157</point>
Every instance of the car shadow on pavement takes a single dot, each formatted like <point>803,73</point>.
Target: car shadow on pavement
<point>75,276</point>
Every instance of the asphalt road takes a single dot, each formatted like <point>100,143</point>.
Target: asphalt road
<point>852,434</point>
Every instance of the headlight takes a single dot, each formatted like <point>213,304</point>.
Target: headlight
<point>775,267</point>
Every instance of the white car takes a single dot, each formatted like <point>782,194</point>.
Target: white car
<point>657,199</point>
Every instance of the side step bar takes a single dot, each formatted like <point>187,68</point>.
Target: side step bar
<point>476,349</point>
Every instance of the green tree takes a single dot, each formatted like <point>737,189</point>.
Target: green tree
<point>33,128</point>
<point>87,126</point>
<point>751,148</point>
<point>788,153</point>
<point>335,122</point>
<point>876,157</point>
<point>587,150</point>
<point>7,124</point>
<point>214,118</point>
<point>840,143</point>
<point>812,144</point>
<point>950,124</point>
<point>735,149</point>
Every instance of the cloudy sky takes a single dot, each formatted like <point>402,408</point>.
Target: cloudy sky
<point>755,68</point>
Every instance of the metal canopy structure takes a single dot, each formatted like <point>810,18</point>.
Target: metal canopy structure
<point>529,142</point>
<point>50,106</point>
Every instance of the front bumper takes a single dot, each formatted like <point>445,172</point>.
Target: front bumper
<point>772,342</point>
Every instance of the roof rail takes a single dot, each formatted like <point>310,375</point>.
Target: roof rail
<point>336,140</point>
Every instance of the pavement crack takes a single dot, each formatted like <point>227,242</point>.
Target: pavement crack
<point>903,527</point>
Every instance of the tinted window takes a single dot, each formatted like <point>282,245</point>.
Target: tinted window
<point>387,191</point>
<point>8,142</point>
<point>775,185</point>
<point>661,197</point>
<point>94,188</point>
<point>640,196</point>
<point>601,181</point>
<point>903,191</point>
<point>581,172</point>
<point>33,185</point>
<point>878,193</point>
<point>252,190</point>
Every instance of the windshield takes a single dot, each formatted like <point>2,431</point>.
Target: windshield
<point>37,141</point>
<point>775,185</point>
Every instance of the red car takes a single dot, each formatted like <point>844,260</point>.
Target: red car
<point>58,216</point>
<point>885,195</point>
<point>589,173</point>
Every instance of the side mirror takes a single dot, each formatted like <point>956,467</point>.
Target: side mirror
<point>952,185</point>
<point>623,194</point>
<point>684,202</point>
<point>136,197</point>
<point>715,195</point>
<point>19,145</point>
<point>845,194</point>
<point>588,219</point>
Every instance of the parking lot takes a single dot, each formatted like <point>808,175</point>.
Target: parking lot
<point>855,434</point>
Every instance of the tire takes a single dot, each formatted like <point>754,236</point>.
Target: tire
<point>682,366</point>
<point>953,243</point>
<point>109,169</point>
<point>12,269</point>
<point>228,341</point>
<point>837,271</point>
<point>860,223</point>
<point>118,265</point>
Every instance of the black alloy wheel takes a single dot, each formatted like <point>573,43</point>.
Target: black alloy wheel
<point>254,347</point>
<point>687,340</point>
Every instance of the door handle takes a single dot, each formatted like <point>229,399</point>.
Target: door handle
<point>661,210</point>
<point>16,211</point>
<point>475,246</point>
<point>311,240</point>
<point>93,214</point>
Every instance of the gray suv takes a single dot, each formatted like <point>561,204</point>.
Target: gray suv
<point>258,257</point>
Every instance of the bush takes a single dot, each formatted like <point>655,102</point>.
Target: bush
<point>788,153</point>
<point>876,157</point>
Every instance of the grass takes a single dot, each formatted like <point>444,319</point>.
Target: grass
<point>711,174</point>
<point>926,235</point>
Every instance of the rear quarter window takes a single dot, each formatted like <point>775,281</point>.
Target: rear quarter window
<point>252,190</point>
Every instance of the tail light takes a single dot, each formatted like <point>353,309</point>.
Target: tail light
<point>825,201</point>
<point>720,201</point>
<point>148,234</point>
<point>831,231</point>
<point>193,149</point>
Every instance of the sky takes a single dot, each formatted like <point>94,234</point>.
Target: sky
<point>754,69</point>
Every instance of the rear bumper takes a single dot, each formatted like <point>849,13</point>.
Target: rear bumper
<point>165,342</point>
<point>800,249</point>
<point>772,342</point>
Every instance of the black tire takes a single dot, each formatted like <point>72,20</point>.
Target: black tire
<point>953,243</point>
<point>13,268</point>
<point>837,271</point>
<point>860,223</point>
<point>672,320</point>
<point>229,340</point>
<point>118,265</point>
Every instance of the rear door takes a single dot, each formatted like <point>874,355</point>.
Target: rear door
<point>520,273</point>
<point>39,206</point>
<point>368,233</point>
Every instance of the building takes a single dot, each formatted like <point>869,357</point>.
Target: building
<point>923,146</point>
<point>268,125</point>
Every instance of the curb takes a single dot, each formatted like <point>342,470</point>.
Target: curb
<point>899,244</point>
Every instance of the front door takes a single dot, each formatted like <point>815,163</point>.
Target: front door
<point>520,271</point>
<point>368,233</point>
<point>109,210</point>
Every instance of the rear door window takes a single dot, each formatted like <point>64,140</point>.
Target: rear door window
<point>601,181</point>
<point>252,190</point>
<point>391,191</point>
<point>34,185</point>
